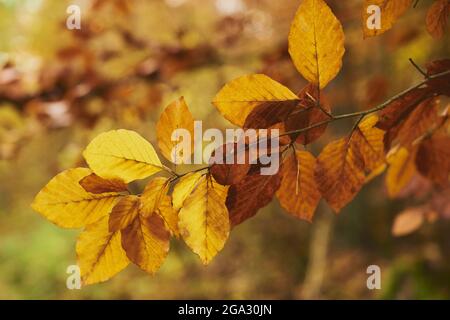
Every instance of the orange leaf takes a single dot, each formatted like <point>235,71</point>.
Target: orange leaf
<point>298,192</point>
<point>408,221</point>
<point>95,184</point>
<point>437,17</point>
<point>401,170</point>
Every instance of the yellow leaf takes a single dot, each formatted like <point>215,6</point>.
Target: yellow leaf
<point>204,222</point>
<point>339,173</point>
<point>122,154</point>
<point>390,11</point>
<point>184,188</point>
<point>124,213</point>
<point>175,116</point>
<point>146,242</point>
<point>64,202</point>
<point>155,200</point>
<point>99,253</point>
<point>238,98</point>
<point>401,170</point>
<point>316,42</point>
<point>298,193</point>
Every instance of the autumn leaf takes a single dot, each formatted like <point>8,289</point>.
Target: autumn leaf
<point>146,242</point>
<point>65,203</point>
<point>124,213</point>
<point>122,154</point>
<point>439,85</point>
<point>298,193</point>
<point>316,42</point>
<point>175,116</point>
<point>238,98</point>
<point>203,219</point>
<point>433,158</point>
<point>437,17</point>
<point>255,191</point>
<point>99,253</point>
<point>156,200</point>
<point>95,184</point>
<point>368,140</point>
<point>307,114</point>
<point>407,222</point>
<point>268,114</point>
<point>230,170</point>
<point>184,188</point>
<point>390,12</point>
<point>401,170</point>
<point>339,173</point>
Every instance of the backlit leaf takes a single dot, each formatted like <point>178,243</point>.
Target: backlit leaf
<point>316,42</point>
<point>175,116</point>
<point>95,184</point>
<point>99,253</point>
<point>390,12</point>
<point>401,170</point>
<point>238,98</point>
<point>64,202</point>
<point>183,188</point>
<point>437,18</point>
<point>122,154</point>
<point>204,222</point>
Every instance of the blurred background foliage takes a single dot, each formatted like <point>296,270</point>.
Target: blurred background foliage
<point>60,88</point>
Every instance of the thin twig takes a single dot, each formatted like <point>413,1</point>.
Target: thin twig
<point>369,111</point>
<point>418,68</point>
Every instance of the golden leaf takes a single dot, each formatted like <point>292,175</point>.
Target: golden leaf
<point>339,173</point>
<point>175,116</point>
<point>99,253</point>
<point>64,202</point>
<point>184,188</point>
<point>155,200</point>
<point>401,170</point>
<point>390,11</point>
<point>298,193</point>
<point>204,222</point>
<point>316,42</point>
<point>238,98</point>
<point>146,242</point>
<point>122,154</point>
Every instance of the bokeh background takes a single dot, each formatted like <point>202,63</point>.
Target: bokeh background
<point>60,88</point>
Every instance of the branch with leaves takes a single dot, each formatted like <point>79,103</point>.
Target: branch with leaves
<point>408,136</point>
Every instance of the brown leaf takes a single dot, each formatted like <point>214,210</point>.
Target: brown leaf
<point>308,114</point>
<point>230,170</point>
<point>339,173</point>
<point>95,184</point>
<point>252,193</point>
<point>433,158</point>
<point>123,213</point>
<point>298,193</point>
<point>437,17</point>
<point>267,114</point>
<point>439,85</point>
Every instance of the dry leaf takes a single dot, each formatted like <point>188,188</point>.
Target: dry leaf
<point>298,193</point>
<point>437,17</point>
<point>95,184</point>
